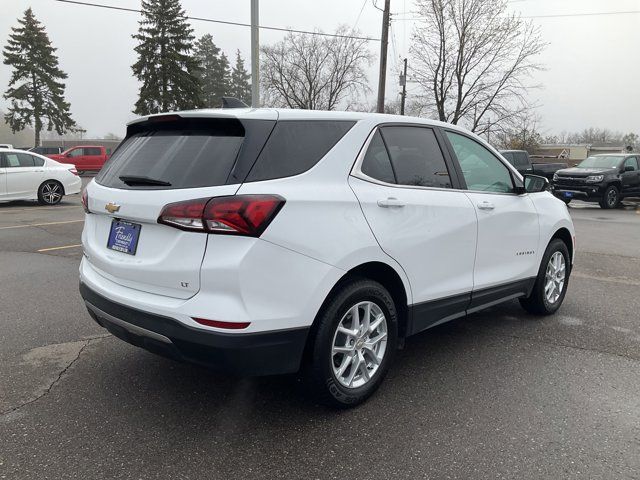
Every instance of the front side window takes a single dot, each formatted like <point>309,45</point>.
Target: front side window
<point>416,157</point>
<point>482,170</point>
<point>631,162</point>
<point>76,152</point>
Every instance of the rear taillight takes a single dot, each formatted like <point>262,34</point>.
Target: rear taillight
<point>247,215</point>
<point>85,201</point>
<point>74,171</point>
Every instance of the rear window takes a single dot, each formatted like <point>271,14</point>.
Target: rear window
<point>182,158</point>
<point>295,146</point>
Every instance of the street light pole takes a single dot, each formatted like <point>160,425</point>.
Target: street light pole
<point>255,55</point>
<point>382,75</point>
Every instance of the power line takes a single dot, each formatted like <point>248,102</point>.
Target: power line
<point>364,4</point>
<point>556,15</point>
<point>224,22</point>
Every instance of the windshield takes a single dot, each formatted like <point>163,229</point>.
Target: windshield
<point>610,161</point>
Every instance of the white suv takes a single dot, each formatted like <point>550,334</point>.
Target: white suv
<point>270,241</point>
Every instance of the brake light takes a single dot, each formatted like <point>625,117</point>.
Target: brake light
<point>74,171</point>
<point>85,201</point>
<point>247,215</point>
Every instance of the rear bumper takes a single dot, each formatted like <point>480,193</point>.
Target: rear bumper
<point>262,353</point>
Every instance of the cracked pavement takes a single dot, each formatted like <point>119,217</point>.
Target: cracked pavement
<point>499,394</point>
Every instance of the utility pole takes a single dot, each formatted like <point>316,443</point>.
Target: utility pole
<point>255,54</point>
<point>403,82</point>
<point>383,55</point>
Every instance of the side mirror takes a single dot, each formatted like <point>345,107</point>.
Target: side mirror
<point>68,155</point>
<point>535,183</point>
<point>629,168</point>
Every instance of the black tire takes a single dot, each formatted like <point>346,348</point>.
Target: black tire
<point>537,303</point>
<point>610,198</point>
<point>50,192</point>
<point>319,372</point>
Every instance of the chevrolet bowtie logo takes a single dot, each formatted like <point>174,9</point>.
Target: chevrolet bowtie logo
<point>111,207</point>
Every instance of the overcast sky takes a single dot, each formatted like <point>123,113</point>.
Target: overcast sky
<point>592,75</point>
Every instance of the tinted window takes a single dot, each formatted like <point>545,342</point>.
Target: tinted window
<point>296,146</point>
<point>184,158</point>
<point>376,163</point>
<point>481,169</point>
<point>631,161</point>
<point>509,157</point>
<point>521,159</point>
<point>91,151</point>
<point>76,152</point>
<point>38,162</point>
<point>416,157</point>
<point>18,160</point>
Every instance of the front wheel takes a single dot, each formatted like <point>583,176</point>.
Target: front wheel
<point>50,193</point>
<point>354,345</point>
<point>611,197</point>
<point>552,280</point>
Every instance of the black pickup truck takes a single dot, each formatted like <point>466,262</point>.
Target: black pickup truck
<point>520,159</point>
<point>605,179</point>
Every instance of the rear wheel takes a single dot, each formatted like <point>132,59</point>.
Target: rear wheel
<point>50,193</point>
<point>611,197</point>
<point>552,280</point>
<point>354,345</point>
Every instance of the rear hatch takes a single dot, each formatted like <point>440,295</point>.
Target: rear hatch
<point>163,160</point>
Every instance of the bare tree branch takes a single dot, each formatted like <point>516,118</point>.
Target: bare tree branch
<point>473,61</point>
<point>312,72</point>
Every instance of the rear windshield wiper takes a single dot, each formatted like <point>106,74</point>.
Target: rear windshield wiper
<point>135,180</point>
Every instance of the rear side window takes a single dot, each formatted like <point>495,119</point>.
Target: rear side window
<point>182,158</point>
<point>376,163</point>
<point>416,157</point>
<point>521,160</point>
<point>18,160</point>
<point>91,151</point>
<point>295,146</point>
<point>37,161</point>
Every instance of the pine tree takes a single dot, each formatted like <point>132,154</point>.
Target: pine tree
<point>214,71</point>
<point>165,66</point>
<point>240,81</point>
<point>36,90</point>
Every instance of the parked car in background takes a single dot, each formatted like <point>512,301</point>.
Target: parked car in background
<point>386,225</point>
<point>29,176</point>
<point>46,150</point>
<point>6,145</point>
<point>521,160</point>
<point>85,157</point>
<point>606,179</point>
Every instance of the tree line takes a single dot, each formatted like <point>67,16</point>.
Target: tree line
<point>471,62</point>
<point>176,71</point>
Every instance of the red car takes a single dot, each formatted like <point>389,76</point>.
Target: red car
<point>85,157</point>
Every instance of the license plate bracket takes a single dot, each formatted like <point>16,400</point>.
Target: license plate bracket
<point>124,236</point>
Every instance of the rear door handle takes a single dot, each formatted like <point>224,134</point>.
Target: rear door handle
<point>486,206</point>
<point>391,203</point>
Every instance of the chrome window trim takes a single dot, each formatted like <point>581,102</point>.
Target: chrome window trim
<point>356,171</point>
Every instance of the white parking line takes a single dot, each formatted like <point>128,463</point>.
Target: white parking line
<point>41,224</point>
<point>57,248</point>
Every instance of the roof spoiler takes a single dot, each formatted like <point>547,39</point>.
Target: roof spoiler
<point>232,102</point>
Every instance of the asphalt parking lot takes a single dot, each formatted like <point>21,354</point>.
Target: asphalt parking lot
<point>499,394</point>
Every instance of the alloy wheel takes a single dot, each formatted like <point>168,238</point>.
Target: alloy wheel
<point>52,193</point>
<point>359,344</point>
<point>554,277</point>
<point>612,197</point>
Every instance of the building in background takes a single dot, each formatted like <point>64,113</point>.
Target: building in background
<point>574,153</point>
